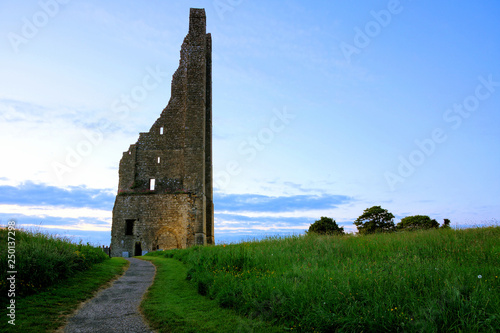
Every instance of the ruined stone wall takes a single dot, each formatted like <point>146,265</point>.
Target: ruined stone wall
<point>174,157</point>
<point>160,221</point>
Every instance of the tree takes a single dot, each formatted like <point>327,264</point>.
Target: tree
<point>326,226</point>
<point>446,224</point>
<point>375,219</point>
<point>417,222</point>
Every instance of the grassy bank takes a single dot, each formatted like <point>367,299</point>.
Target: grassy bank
<point>47,310</point>
<point>53,275</point>
<point>41,260</point>
<point>436,280</point>
<point>173,305</point>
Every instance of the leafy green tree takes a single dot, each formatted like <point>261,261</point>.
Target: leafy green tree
<point>375,219</point>
<point>446,224</point>
<point>417,222</point>
<point>326,226</point>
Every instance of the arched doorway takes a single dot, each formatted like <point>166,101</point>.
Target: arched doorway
<point>138,249</point>
<point>167,238</point>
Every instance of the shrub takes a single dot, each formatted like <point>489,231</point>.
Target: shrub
<point>326,226</point>
<point>446,224</point>
<point>417,222</point>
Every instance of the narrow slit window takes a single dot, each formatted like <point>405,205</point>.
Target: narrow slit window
<point>152,182</point>
<point>158,160</point>
<point>161,130</point>
<point>129,227</point>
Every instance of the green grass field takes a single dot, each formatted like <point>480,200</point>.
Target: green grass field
<point>173,305</point>
<point>422,281</point>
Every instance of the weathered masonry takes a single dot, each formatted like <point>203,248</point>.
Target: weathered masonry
<point>165,195</point>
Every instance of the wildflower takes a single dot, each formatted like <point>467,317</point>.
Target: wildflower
<point>479,276</point>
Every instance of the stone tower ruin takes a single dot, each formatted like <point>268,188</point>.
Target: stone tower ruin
<point>165,194</point>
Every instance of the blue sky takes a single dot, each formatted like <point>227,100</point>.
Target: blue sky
<point>321,108</point>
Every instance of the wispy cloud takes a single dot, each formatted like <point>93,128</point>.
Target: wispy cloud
<point>32,115</point>
<point>77,229</point>
<point>256,216</point>
<point>262,203</point>
<point>55,211</point>
<point>33,195</point>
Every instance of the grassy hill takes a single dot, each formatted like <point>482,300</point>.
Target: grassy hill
<point>41,259</point>
<point>436,280</point>
<point>53,276</point>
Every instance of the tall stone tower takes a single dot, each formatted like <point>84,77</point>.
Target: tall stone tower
<point>165,194</point>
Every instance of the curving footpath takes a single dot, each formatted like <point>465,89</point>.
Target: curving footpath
<point>116,309</point>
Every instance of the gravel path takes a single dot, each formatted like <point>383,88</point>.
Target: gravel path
<point>116,309</point>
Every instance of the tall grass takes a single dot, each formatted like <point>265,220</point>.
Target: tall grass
<point>42,259</point>
<point>436,280</point>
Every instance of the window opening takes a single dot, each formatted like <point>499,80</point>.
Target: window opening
<point>152,182</point>
<point>158,160</point>
<point>129,227</point>
<point>161,130</point>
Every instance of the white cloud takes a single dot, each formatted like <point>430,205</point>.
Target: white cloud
<point>54,211</point>
<point>316,213</point>
<point>78,226</point>
<point>265,228</point>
